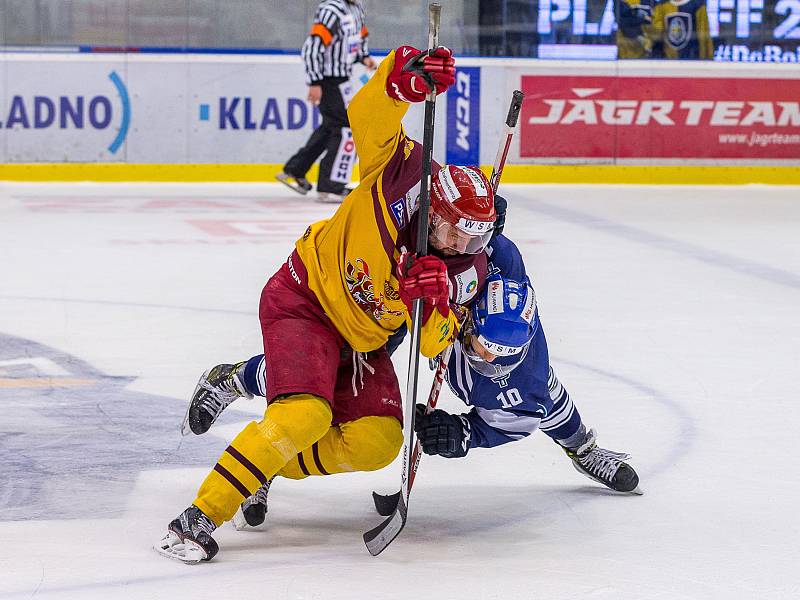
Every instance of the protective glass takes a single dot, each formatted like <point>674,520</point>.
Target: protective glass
<point>447,236</point>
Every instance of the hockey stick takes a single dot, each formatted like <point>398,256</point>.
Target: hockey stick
<point>378,538</point>
<point>386,504</point>
<point>505,143</point>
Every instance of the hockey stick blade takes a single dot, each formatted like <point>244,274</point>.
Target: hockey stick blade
<point>380,537</point>
<point>385,503</point>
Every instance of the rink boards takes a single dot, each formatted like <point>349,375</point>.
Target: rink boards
<point>197,117</point>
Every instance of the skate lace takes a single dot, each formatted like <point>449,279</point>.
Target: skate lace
<point>260,497</point>
<point>219,396</point>
<point>359,364</point>
<point>603,463</point>
<point>204,524</point>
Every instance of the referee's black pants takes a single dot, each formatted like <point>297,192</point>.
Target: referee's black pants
<point>326,138</point>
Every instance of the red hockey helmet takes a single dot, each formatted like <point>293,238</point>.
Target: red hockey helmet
<point>462,209</point>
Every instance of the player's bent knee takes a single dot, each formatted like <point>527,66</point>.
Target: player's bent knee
<point>302,419</point>
<point>372,442</point>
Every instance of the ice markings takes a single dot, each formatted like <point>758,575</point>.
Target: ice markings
<point>73,440</point>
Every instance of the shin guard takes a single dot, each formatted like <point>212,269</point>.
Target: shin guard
<point>366,444</point>
<point>290,425</point>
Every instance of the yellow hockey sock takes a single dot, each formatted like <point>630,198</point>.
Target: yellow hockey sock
<point>290,425</point>
<point>366,444</point>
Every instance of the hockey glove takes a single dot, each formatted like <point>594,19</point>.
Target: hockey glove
<point>442,433</point>
<point>416,73</point>
<point>500,208</point>
<point>425,278</point>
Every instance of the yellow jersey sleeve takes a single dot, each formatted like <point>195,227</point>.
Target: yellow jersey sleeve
<point>375,120</point>
<point>438,333</point>
<point>706,50</point>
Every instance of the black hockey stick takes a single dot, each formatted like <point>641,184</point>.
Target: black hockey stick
<point>505,141</point>
<point>378,538</point>
<point>386,504</point>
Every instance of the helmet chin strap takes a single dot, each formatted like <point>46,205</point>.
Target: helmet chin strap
<point>467,331</point>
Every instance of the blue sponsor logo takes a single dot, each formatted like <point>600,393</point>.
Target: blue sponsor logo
<point>71,112</point>
<point>237,112</point>
<point>398,208</point>
<point>463,117</point>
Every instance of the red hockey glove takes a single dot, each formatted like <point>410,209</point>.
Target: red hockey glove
<point>427,279</point>
<point>416,73</point>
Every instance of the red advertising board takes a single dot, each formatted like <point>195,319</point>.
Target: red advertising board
<point>660,117</point>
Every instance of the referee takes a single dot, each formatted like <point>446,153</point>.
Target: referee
<point>338,39</point>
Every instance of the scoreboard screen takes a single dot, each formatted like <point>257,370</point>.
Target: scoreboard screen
<point>742,30</point>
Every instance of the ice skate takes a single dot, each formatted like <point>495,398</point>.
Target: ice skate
<point>217,388</point>
<point>604,466</point>
<point>253,511</point>
<point>333,197</point>
<point>189,538</point>
<point>301,185</point>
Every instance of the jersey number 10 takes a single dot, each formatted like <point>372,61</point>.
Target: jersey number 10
<point>509,398</point>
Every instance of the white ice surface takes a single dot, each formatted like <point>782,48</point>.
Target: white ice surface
<point>672,319</point>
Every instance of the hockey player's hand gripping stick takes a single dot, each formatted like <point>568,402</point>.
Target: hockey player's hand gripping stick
<point>386,504</point>
<point>380,537</point>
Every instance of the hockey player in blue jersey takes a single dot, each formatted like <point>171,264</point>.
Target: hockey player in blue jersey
<point>499,366</point>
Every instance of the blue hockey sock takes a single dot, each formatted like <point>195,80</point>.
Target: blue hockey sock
<point>254,376</point>
<point>563,424</point>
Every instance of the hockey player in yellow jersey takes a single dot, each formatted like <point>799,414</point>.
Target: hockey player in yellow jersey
<point>634,25</point>
<point>333,399</point>
<point>680,29</point>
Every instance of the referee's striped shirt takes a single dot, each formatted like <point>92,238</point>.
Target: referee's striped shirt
<point>338,38</point>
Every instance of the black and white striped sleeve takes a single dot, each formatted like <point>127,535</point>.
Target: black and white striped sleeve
<point>364,44</point>
<point>323,30</point>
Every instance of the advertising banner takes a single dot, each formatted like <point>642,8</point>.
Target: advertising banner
<point>463,117</point>
<point>171,109</point>
<point>72,112</point>
<point>121,108</point>
<point>197,109</point>
<point>641,117</point>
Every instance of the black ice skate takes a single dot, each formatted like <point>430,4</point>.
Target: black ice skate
<point>253,511</point>
<point>604,466</point>
<point>301,185</point>
<point>217,388</point>
<point>189,538</point>
<point>333,197</point>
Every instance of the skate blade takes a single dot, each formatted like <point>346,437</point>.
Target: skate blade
<point>188,552</point>
<point>240,523</point>
<point>285,180</point>
<point>185,429</point>
<point>328,198</point>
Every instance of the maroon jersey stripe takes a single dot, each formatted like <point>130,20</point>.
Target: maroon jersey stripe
<point>247,464</point>
<point>303,467</point>
<point>232,480</point>
<point>386,239</point>
<point>315,451</point>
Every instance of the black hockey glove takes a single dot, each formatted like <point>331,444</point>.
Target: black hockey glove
<point>500,207</point>
<point>442,433</point>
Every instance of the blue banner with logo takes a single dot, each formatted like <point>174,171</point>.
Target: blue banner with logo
<point>464,117</point>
